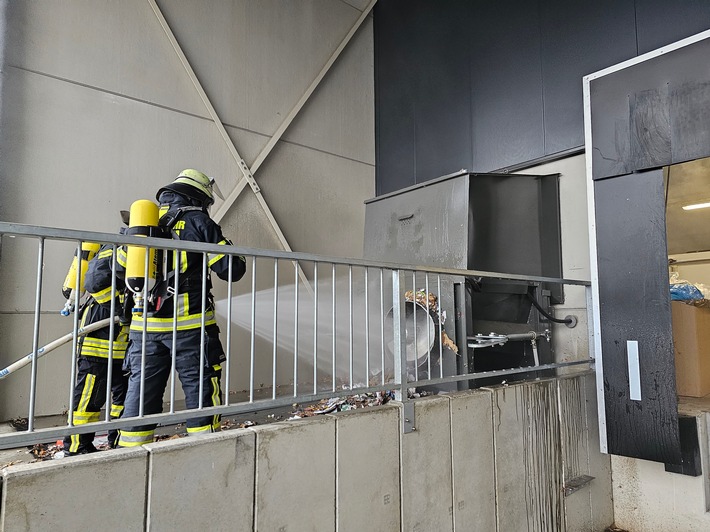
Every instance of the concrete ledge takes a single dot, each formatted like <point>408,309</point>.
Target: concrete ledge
<point>472,460</point>
<point>367,469</point>
<point>100,491</point>
<point>202,480</point>
<point>295,475</point>
<point>426,468</point>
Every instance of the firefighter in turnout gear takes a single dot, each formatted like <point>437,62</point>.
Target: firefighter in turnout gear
<point>184,205</point>
<point>93,352</point>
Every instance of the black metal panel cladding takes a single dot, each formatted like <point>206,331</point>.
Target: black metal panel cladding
<point>488,85</point>
<point>660,22</point>
<point>652,114</point>
<point>578,38</point>
<point>635,305</point>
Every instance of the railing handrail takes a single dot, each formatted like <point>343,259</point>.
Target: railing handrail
<point>73,235</point>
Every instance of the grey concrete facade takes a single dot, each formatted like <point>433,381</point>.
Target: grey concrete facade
<point>98,111</point>
<point>466,467</point>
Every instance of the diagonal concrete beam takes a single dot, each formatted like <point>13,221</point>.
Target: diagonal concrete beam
<point>234,193</point>
<point>246,174</point>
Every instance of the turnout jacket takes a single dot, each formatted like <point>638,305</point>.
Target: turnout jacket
<point>187,222</point>
<point>98,307</point>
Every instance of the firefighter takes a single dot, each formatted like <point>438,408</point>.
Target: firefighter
<point>184,205</point>
<point>93,353</point>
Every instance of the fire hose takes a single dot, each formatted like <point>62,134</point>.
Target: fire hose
<point>53,345</point>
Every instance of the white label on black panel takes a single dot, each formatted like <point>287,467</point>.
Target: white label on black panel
<point>632,353</point>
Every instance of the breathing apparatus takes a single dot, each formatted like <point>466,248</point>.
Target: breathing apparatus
<point>146,219</point>
<point>78,266</point>
<point>143,223</point>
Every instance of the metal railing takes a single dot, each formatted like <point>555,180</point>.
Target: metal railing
<point>312,327</point>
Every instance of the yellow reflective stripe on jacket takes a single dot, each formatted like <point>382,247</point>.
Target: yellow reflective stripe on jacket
<point>103,296</point>
<point>105,254</point>
<point>98,347</point>
<point>184,323</point>
<point>122,256</point>
<point>212,257</point>
<point>116,410</point>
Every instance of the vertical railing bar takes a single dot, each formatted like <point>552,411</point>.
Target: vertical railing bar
<point>441,342</point>
<point>382,325</point>
<point>296,269</point>
<point>428,330</point>
<point>144,332</point>
<point>276,310</point>
<point>74,340</point>
<point>35,336</point>
<point>333,324</point>
<point>253,330</point>
<point>367,329</point>
<point>203,332</point>
<point>228,354</point>
<point>350,302</point>
<point>399,335</point>
<point>111,332</point>
<point>177,255</point>
<point>315,327</point>
<point>414,326</point>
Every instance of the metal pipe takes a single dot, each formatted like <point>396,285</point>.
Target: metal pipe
<point>350,303</point>
<point>275,341</point>
<point>203,332</point>
<point>367,328</point>
<point>173,346</point>
<point>253,328</point>
<point>315,327</point>
<point>144,334</point>
<point>382,324</point>
<point>111,336</point>
<point>228,354</point>
<point>75,338</point>
<point>428,329</point>
<point>35,333</point>
<point>334,329</point>
<point>399,336</point>
<point>441,341</point>
<point>296,268</point>
<point>414,328</point>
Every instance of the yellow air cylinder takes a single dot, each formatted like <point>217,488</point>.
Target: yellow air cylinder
<point>144,215</point>
<point>88,251</point>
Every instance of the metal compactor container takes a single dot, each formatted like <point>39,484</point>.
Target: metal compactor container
<point>487,222</point>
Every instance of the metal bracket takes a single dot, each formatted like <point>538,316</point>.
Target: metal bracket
<point>408,417</point>
<point>249,176</point>
<point>575,484</point>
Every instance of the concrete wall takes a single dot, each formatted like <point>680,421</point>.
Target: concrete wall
<point>571,344</point>
<point>474,464</point>
<point>649,498</point>
<point>97,111</point>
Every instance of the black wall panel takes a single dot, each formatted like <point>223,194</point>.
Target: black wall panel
<point>423,92</point>
<point>578,38</point>
<point>635,305</point>
<point>652,114</point>
<point>394,102</point>
<point>506,84</point>
<point>660,22</point>
<point>442,90</point>
<point>486,85</point>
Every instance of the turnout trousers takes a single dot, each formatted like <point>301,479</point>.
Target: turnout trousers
<point>158,364</point>
<point>90,397</point>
